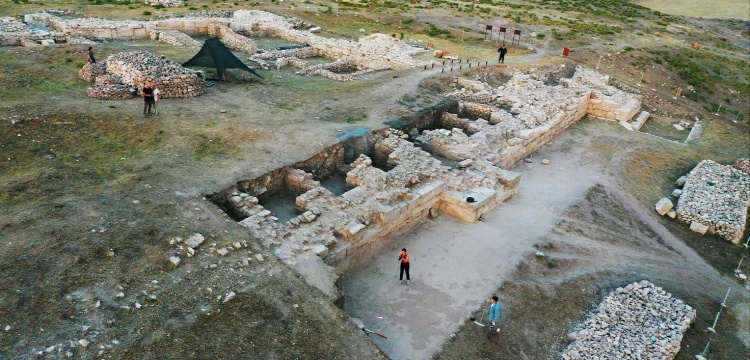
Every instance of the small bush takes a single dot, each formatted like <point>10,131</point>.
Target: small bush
<point>147,13</point>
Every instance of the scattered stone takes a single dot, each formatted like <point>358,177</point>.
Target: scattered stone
<point>222,252</point>
<point>681,180</point>
<point>194,240</point>
<point>545,162</point>
<point>174,260</point>
<point>7,328</point>
<point>698,227</point>
<point>83,343</point>
<point>672,214</point>
<point>434,213</point>
<point>229,296</point>
<point>677,193</point>
<point>259,257</point>
<point>678,127</point>
<point>663,206</point>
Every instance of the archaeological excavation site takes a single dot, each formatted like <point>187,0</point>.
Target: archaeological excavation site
<point>360,179</point>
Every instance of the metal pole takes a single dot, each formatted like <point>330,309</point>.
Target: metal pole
<point>724,303</point>
<point>737,270</point>
<point>747,243</point>
<point>717,110</point>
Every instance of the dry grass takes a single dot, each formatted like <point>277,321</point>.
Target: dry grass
<point>719,9</point>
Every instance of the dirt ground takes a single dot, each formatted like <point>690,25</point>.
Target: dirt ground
<point>91,193</point>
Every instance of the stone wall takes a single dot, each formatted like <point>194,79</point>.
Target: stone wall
<point>110,92</point>
<point>232,39</point>
<point>165,3</point>
<point>346,230</point>
<point>715,198</point>
<point>140,68</point>
<point>173,37</point>
<point>639,321</point>
<point>518,118</point>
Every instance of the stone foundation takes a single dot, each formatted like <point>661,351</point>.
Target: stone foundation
<point>111,92</point>
<point>518,118</point>
<point>232,39</point>
<point>715,199</point>
<point>165,3</point>
<point>346,230</point>
<point>174,37</point>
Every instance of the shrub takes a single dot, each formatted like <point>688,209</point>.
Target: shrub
<point>147,13</point>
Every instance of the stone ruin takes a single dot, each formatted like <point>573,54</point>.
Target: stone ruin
<point>639,321</point>
<point>714,199</point>
<point>128,72</point>
<point>518,118</point>
<point>165,3</point>
<point>389,192</point>
<point>370,53</point>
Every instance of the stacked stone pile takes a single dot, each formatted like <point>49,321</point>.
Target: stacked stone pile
<point>8,24</point>
<point>715,198</point>
<point>140,68</point>
<point>743,165</point>
<point>111,92</point>
<point>389,44</point>
<point>473,85</point>
<point>232,39</point>
<point>210,14</point>
<point>63,12</point>
<point>107,79</point>
<point>639,321</point>
<point>175,37</point>
<point>476,110</point>
<point>291,61</point>
<point>303,52</point>
<point>607,101</point>
<point>331,70</point>
<point>165,3</point>
<point>89,72</point>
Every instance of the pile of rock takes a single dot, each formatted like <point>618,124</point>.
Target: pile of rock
<point>8,24</point>
<point>89,72</point>
<point>165,3</point>
<point>715,198</point>
<point>639,321</point>
<point>111,92</point>
<point>140,68</point>
<point>743,165</point>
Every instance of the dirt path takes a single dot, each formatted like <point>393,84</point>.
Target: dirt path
<point>456,265</point>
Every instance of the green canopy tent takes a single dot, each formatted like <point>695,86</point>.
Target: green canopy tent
<point>214,54</point>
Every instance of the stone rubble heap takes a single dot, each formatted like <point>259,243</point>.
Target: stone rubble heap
<point>8,24</point>
<point>519,117</point>
<point>165,3</point>
<point>89,72</point>
<point>743,165</point>
<point>141,68</point>
<point>715,198</point>
<point>111,92</point>
<point>639,321</point>
<point>344,230</point>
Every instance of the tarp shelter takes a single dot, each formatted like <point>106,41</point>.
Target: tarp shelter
<point>214,54</point>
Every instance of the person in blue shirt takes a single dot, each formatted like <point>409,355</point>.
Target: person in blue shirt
<point>494,312</point>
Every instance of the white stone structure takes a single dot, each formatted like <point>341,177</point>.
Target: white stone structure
<point>521,116</point>
<point>639,321</point>
<point>165,3</point>
<point>374,52</point>
<point>344,230</point>
<point>715,199</point>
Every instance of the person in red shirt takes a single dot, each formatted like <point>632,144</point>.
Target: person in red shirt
<point>403,258</point>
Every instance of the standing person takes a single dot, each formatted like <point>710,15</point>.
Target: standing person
<point>157,97</point>
<point>148,98</point>
<point>403,258</point>
<point>92,59</point>
<point>494,313</point>
<point>502,50</point>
